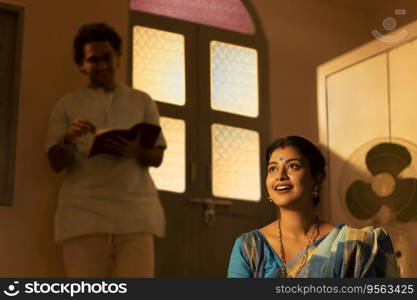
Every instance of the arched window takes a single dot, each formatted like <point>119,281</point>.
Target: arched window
<point>227,14</point>
<point>204,62</point>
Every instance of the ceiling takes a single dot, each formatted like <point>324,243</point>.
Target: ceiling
<point>367,6</point>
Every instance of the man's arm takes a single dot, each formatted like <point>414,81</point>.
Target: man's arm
<point>60,157</point>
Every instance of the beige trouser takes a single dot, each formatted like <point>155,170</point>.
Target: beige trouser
<point>109,255</point>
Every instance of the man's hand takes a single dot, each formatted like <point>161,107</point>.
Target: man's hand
<point>126,148</point>
<point>78,128</point>
<point>61,155</point>
<point>133,149</point>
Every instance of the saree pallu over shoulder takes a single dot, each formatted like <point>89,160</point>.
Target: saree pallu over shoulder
<point>351,252</point>
<point>253,249</point>
<point>344,252</point>
<point>369,253</point>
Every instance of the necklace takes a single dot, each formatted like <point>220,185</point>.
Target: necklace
<point>313,237</point>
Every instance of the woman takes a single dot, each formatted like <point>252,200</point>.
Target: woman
<point>298,244</point>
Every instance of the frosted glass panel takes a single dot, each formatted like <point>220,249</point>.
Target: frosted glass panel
<point>158,64</point>
<point>235,163</point>
<point>227,14</point>
<point>170,176</point>
<point>234,79</point>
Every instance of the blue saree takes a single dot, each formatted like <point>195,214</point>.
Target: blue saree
<point>344,252</point>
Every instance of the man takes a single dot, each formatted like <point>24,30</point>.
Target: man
<point>108,208</point>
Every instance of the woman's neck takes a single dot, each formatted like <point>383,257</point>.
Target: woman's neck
<point>296,223</point>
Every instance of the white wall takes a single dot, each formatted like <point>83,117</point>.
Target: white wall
<point>303,34</point>
<point>48,72</point>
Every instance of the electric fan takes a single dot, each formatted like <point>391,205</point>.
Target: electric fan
<point>386,189</point>
<point>378,186</point>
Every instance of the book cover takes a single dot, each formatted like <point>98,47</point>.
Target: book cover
<point>148,133</point>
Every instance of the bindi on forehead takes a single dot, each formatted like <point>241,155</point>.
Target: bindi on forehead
<point>283,155</point>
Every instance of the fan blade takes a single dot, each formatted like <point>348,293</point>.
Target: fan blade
<point>404,200</point>
<point>361,202</point>
<point>388,158</point>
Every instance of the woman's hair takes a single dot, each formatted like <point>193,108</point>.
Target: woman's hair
<point>307,149</point>
<point>95,32</point>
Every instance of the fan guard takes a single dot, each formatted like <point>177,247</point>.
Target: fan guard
<point>378,183</point>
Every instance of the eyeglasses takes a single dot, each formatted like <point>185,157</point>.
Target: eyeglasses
<point>106,58</point>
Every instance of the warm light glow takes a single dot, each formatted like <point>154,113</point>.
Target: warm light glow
<point>358,105</point>
<point>159,64</point>
<point>235,163</point>
<point>403,90</point>
<point>234,79</point>
<point>170,176</point>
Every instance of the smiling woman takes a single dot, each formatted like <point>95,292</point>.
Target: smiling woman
<point>298,244</point>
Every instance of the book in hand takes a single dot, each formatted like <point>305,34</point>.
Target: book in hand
<point>148,134</point>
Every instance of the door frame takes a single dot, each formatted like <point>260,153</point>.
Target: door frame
<point>7,197</point>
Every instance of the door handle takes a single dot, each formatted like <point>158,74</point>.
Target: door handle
<point>210,208</point>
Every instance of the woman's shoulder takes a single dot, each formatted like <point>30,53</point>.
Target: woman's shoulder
<point>268,230</point>
<point>373,247</point>
<point>254,237</point>
<point>366,234</point>
<point>250,237</point>
<point>372,238</point>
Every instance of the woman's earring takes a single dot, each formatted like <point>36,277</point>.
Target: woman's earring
<point>269,198</point>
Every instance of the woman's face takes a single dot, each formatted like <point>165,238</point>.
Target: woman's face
<point>289,181</point>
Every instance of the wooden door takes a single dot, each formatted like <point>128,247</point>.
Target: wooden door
<point>213,204</point>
